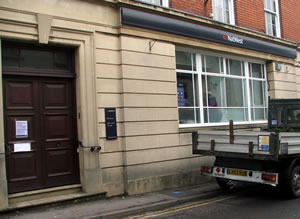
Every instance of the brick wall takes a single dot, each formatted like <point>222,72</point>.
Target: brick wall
<point>250,14</point>
<point>197,7</point>
<point>290,19</point>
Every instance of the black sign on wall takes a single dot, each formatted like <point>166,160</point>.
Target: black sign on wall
<point>174,26</point>
<point>110,123</point>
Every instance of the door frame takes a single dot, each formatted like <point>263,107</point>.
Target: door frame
<point>84,42</point>
<point>38,74</point>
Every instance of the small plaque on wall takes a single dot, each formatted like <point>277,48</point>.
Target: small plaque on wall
<point>110,123</point>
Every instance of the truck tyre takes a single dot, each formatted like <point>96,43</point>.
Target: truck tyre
<point>294,182</point>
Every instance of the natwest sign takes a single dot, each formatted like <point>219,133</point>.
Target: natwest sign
<point>233,39</point>
<point>151,21</point>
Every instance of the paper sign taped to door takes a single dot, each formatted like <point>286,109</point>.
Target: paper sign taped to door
<point>21,129</point>
<point>22,147</point>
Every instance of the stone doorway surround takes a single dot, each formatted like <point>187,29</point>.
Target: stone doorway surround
<point>37,23</point>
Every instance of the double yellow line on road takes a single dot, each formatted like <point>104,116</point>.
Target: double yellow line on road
<point>179,208</point>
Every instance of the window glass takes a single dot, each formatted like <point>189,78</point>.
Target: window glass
<point>272,18</point>
<point>227,114</point>
<point>196,88</point>
<point>221,97</point>
<point>36,59</point>
<point>203,63</point>
<point>234,92</point>
<point>62,60</point>
<point>157,2</point>
<point>235,67</point>
<point>10,57</point>
<point>186,115</point>
<point>258,113</point>
<point>273,26</point>
<point>293,115</point>
<point>185,60</point>
<point>256,70</point>
<point>270,5</point>
<point>185,90</point>
<point>215,115</point>
<point>257,94</point>
<point>223,11</point>
<point>215,88</point>
<point>213,64</point>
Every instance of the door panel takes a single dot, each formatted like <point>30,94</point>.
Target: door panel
<point>56,95</point>
<point>47,108</point>
<point>20,160</point>
<point>58,131</point>
<point>21,103</point>
<point>20,95</point>
<point>61,158</point>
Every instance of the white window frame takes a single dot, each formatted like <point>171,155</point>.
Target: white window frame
<point>164,3</point>
<point>231,11</point>
<point>247,77</point>
<point>277,20</point>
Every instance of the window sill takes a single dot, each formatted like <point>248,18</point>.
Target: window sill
<point>223,126</point>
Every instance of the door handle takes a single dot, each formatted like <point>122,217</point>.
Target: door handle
<point>8,148</point>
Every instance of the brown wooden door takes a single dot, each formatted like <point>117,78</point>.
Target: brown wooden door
<point>39,114</point>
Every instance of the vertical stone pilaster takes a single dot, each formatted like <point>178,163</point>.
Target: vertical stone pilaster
<point>3,180</point>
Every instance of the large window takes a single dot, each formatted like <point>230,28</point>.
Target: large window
<point>272,18</point>
<point>223,11</point>
<point>216,89</point>
<point>157,2</point>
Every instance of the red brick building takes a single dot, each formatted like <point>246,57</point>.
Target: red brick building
<point>250,14</point>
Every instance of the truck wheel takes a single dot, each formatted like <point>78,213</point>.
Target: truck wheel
<point>225,184</point>
<point>294,182</point>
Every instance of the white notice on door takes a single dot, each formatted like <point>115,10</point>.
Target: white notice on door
<point>21,129</point>
<point>21,147</point>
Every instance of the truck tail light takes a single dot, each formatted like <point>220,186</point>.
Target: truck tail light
<point>268,177</point>
<point>205,169</point>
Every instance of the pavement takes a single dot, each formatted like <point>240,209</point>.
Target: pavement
<point>121,206</point>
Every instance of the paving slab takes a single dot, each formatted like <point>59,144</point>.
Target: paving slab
<point>119,207</point>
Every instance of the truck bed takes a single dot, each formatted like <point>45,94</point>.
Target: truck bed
<point>247,144</point>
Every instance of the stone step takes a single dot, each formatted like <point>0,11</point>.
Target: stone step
<point>43,193</point>
<point>48,196</point>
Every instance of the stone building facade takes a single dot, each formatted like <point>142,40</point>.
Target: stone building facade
<point>160,71</point>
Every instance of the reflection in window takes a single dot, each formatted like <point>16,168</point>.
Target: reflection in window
<point>223,11</point>
<point>235,67</point>
<point>293,115</point>
<point>188,98</point>
<point>220,90</point>
<point>185,61</point>
<point>212,64</point>
<point>258,94</point>
<point>235,90</point>
<point>256,70</point>
<point>185,90</point>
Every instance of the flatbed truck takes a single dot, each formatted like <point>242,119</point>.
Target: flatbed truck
<point>270,156</point>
